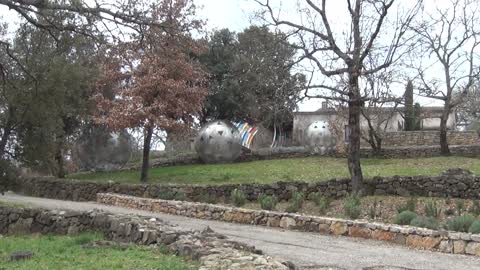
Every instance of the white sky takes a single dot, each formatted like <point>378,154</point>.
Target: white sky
<point>237,15</point>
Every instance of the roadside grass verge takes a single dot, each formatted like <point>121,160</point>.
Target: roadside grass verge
<point>68,253</point>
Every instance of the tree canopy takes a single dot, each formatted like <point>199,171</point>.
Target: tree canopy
<point>251,77</point>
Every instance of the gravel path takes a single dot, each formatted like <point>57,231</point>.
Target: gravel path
<point>308,250</point>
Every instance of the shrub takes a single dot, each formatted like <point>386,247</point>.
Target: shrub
<point>180,196</point>
<point>296,202</point>
<point>425,222</point>
<point>475,227</point>
<point>449,212</point>
<point>431,209</point>
<point>405,217</point>
<point>238,198</point>
<point>410,205</point>
<point>166,195</point>
<point>461,223</point>
<point>267,202</point>
<point>475,208</point>
<point>207,198</point>
<point>321,201</point>
<point>460,205</point>
<point>351,206</point>
<point>372,212</point>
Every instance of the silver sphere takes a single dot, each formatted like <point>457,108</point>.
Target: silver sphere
<point>218,141</point>
<point>319,139</point>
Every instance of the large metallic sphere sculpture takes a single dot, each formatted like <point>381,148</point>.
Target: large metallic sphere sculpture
<point>218,141</point>
<point>319,139</point>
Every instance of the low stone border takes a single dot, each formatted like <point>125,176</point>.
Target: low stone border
<point>443,241</point>
<point>212,250</point>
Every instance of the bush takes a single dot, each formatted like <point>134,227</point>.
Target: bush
<point>449,212</point>
<point>180,196</point>
<point>351,206</point>
<point>207,198</point>
<point>321,201</point>
<point>460,205</point>
<point>296,202</point>
<point>475,208</point>
<point>410,205</point>
<point>425,222</point>
<point>166,195</point>
<point>372,212</point>
<point>475,227</point>
<point>238,198</point>
<point>267,202</point>
<point>431,209</point>
<point>405,217</point>
<point>461,223</point>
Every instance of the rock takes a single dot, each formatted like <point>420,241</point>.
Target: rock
<point>260,261</point>
<point>383,235</point>
<point>338,228</point>
<point>446,246</point>
<point>423,242</point>
<point>22,226</point>
<point>273,222</point>
<point>473,248</point>
<point>459,246</point>
<point>359,232</point>
<point>21,255</point>
<point>324,228</point>
<point>287,223</point>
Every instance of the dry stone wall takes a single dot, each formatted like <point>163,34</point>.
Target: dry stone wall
<point>455,183</point>
<point>212,250</point>
<point>443,241</point>
<point>429,137</point>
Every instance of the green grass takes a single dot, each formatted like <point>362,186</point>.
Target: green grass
<point>268,171</point>
<point>17,205</point>
<point>67,253</point>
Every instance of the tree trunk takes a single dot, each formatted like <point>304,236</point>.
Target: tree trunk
<point>147,139</point>
<point>59,158</point>
<point>354,110</point>
<point>7,131</point>
<point>444,149</point>
<point>3,141</point>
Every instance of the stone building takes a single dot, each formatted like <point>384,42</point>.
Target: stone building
<point>394,121</point>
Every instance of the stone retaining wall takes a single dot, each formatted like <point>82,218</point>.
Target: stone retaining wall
<point>209,248</point>
<point>421,151</point>
<point>429,137</point>
<point>443,241</point>
<point>453,183</point>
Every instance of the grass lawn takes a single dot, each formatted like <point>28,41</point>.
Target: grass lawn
<point>67,253</point>
<point>267,171</point>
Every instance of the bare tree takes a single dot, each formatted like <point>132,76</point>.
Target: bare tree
<point>468,112</point>
<point>379,111</point>
<point>340,54</point>
<point>452,36</point>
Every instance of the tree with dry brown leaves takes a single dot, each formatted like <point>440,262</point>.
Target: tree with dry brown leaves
<point>154,81</point>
